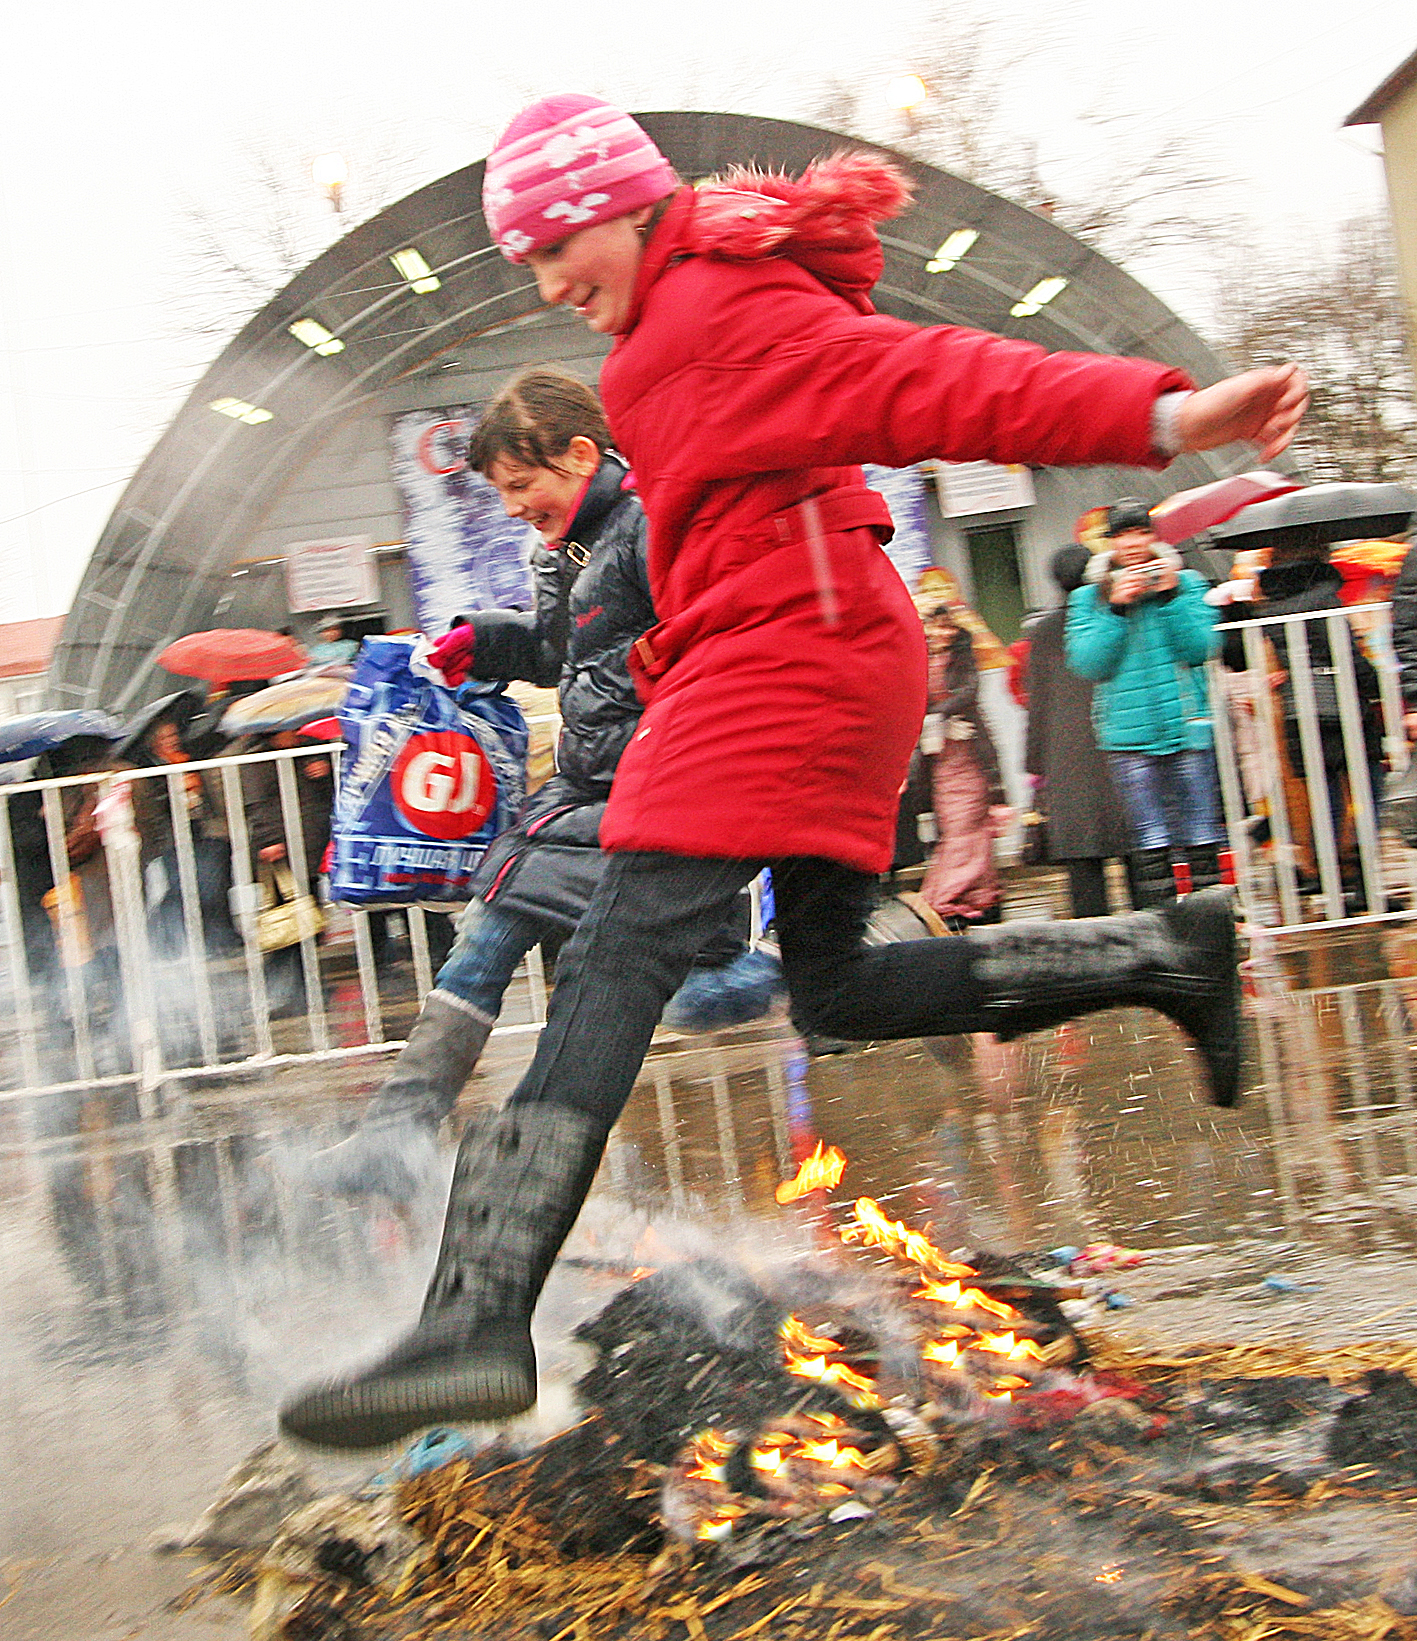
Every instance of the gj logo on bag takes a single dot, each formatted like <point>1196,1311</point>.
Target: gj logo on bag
<point>444,785</point>
<point>431,777</point>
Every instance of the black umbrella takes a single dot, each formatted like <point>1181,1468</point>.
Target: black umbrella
<point>1320,514</point>
<point>41,732</point>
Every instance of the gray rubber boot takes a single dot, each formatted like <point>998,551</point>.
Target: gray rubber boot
<point>521,1177</point>
<point>393,1151</point>
<point>1180,959</point>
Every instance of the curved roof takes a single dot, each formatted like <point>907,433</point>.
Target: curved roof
<point>211,482</point>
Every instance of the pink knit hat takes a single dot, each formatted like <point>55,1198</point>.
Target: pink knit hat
<point>565,163</point>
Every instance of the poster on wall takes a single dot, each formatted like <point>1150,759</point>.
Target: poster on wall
<point>904,489</point>
<point>330,575</point>
<point>463,552</point>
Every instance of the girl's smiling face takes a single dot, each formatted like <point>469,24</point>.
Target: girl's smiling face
<point>545,497</point>
<point>593,271</point>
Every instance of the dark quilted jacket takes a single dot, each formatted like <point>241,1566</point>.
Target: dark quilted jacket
<point>580,633</point>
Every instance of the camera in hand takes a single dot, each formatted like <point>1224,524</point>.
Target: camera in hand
<point>1151,573</point>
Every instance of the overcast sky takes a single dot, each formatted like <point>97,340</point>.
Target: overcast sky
<point>118,121</point>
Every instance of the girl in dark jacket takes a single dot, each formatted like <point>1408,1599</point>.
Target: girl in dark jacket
<point>546,439</point>
<point>786,679</point>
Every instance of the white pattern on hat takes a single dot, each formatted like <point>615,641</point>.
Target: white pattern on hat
<point>573,213</point>
<point>565,147</point>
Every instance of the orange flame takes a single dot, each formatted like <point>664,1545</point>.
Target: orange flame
<point>769,1460</point>
<point>796,1337</point>
<point>960,1298</point>
<point>858,1389</point>
<point>942,1350</point>
<point>1004,1344</point>
<point>830,1453</point>
<point>877,1231</point>
<point>720,1524</point>
<point>821,1171</point>
<point>707,1455</point>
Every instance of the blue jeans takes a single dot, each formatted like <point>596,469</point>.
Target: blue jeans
<point>1170,800</point>
<point>489,946</point>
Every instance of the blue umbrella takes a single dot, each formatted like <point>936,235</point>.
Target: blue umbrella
<point>41,732</point>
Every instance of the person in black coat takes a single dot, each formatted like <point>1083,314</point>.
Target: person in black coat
<point>1298,580</point>
<point>1086,824</point>
<point>544,444</point>
<point>1404,637</point>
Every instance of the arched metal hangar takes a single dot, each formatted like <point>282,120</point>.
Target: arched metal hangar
<point>298,446</point>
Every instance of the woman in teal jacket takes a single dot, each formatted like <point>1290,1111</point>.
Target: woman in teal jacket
<point>1139,628</point>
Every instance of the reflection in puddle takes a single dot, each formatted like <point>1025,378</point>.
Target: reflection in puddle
<point>167,1276</point>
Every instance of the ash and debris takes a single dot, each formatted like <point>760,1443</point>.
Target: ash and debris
<point>1230,1492</point>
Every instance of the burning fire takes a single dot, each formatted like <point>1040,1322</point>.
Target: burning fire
<point>821,1171</point>
<point>830,1453</point>
<point>962,1299</point>
<point>707,1455</point>
<point>858,1389</point>
<point>797,1338</point>
<point>719,1525</point>
<point>1004,1344</point>
<point>876,1231</point>
<point>808,1355</point>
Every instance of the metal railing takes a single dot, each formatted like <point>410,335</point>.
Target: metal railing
<point>138,959</point>
<point>1300,756</point>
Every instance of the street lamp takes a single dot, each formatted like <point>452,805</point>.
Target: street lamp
<point>331,173</point>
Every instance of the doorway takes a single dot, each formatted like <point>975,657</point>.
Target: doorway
<point>998,583</point>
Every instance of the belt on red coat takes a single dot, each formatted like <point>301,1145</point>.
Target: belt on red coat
<point>829,514</point>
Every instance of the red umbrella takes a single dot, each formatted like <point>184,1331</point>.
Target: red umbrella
<point>227,654</point>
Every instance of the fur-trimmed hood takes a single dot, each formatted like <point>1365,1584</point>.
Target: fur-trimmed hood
<point>825,220</point>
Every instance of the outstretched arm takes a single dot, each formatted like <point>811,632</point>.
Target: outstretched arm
<point>1263,407</point>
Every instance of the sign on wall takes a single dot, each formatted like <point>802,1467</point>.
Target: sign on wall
<point>981,487</point>
<point>463,552</point>
<point>329,575</point>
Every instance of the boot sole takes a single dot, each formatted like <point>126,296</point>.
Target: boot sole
<point>380,1411</point>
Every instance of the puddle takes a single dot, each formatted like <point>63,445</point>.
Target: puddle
<point>165,1280</point>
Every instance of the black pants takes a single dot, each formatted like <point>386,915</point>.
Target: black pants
<point>653,912</point>
<point>1087,887</point>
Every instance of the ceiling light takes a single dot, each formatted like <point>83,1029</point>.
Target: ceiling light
<point>956,246</point>
<point>1039,297</point>
<point>314,335</point>
<point>410,264</point>
<point>329,171</point>
<point>905,92</point>
<point>240,411</point>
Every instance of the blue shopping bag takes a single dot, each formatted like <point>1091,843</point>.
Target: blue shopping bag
<point>430,777</point>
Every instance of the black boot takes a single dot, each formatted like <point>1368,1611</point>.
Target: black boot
<point>1204,861</point>
<point>1180,960</point>
<point>521,1177</point>
<point>393,1150</point>
<point>1150,878</point>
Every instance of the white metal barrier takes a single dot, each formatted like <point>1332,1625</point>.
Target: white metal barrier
<point>1302,754</point>
<point>138,959</point>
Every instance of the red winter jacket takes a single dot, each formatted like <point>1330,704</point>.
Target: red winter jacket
<point>786,680</point>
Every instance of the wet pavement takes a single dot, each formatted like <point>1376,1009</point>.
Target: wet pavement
<point>166,1277</point>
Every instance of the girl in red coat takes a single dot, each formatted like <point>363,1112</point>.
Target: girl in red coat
<point>785,683</point>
